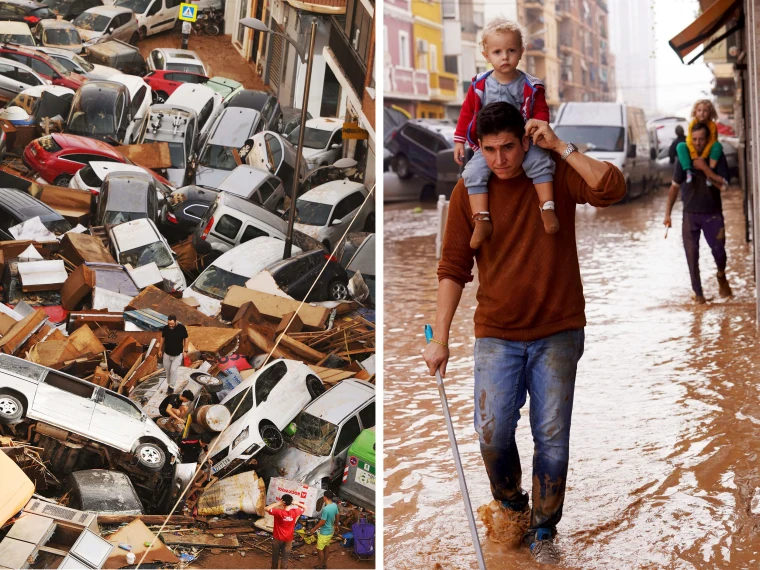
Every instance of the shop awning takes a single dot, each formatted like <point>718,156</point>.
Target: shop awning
<point>331,7</point>
<point>701,30</point>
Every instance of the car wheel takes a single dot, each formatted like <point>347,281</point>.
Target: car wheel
<point>11,409</point>
<point>314,386</point>
<point>134,39</point>
<point>159,97</point>
<point>212,384</point>
<point>369,224</point>
<point>402,168</point>
<point>271,436</point>
<point>143,32</point>
<point>150,456</point>
<point>63,180</point>
<point>337,291</point>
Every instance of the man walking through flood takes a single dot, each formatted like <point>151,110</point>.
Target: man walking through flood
<point>702,212</point>
<point>529,322</point>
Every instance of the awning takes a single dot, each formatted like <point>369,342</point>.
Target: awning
<point>705,26</point>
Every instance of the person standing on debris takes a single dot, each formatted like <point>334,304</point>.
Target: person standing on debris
<point>702,212</point>
<point>285,515</point>
<point>326,528</point>
<point>174,348</point>
<point>529,321</point>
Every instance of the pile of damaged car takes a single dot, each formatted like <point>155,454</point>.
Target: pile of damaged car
<point>178,349</point>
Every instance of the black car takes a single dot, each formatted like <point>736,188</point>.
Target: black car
<point>264,103</point>
<point>17,207</point>
<point>126,196</point>
<point>70,9</point>
<point>24,11</point>
<point>184,210</point>
<point>295,276</point>
<point>100,110</point>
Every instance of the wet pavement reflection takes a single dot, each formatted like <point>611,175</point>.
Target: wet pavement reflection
<point>663,449</point>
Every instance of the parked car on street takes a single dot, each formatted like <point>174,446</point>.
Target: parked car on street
<point>58,34</point>
<point>232,128</point>
<point>17,207</point>
<point>91,177</point>
<point>296,275</point>
<point>118,55</point>
<point>24,11</point>
<point>235,267</point>
<point>139,243</point>
<point>56,101</point>
<point>255,185</point>
<point>77,64</point>
<point>140,99</point>
<point>44,65</point>
<point>101,110</point>
<point>327,211</point>
<point>28,390</point>
<point>316,453</point>
<point>176,126</point>
<point>176,60</point>
<point>16,77</point>
<point>164,82</point>
<point>125,197</point>
<point>322,141</point>
<point>184,209</point>
<point>58,157</point>
<point>206,103</point>
<point>153,16</point>
<point>70,9</point>
<point>107,23</point>
<point>227,88</point>
<point>266,104</point>
<point>291,118</point>
<point>270,151</point>
<point>103,492</point>
<point>362,259</point>
<point>17,33</point>
<point>263,405</point>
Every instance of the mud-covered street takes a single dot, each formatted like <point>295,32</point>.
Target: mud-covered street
<point>663,455</point>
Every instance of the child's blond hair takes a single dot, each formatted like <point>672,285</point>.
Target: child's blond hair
<point>501,25</point>
<point>713,112</point>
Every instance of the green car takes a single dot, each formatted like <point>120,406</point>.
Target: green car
<point>227,88</point>
<point>358,485</point>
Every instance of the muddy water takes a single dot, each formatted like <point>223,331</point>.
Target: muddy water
<point>664,444</point>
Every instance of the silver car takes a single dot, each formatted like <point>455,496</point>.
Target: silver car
<point>15,77</point>
<point>255,185</point>
<point>176,126</point>
<point>77,64</point>
<point>104,23</point>
<point>28,390</point>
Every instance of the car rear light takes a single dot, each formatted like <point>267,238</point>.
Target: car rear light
<point>34,20</point>
<point>332,258</point>
<point>94,191</point>
<point>207,229</point>
<point>171,218</point>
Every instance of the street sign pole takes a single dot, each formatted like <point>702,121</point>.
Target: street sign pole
<point>188,13</point>
<point>186,29</point>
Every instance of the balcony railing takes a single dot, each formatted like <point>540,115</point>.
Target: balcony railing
<point>405,81</point>
<point>353,67</point>
<point>421,82</point>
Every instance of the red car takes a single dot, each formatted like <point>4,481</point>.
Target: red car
<point>58,157</point>
<point>164,82</point>
<point>43,64</point>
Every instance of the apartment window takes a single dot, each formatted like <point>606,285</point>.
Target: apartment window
<point>403,49</point>
<point>358,29</point>
<point>449,9</point>
<point>451,64</point>
<point>433,50</point>
<point>477,18</point>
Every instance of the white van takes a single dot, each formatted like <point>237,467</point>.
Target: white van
<point>152,16</point>
<point>207,104</point>
<point>616,133</point>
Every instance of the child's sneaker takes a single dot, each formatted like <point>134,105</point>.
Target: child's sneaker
<point>543,549</point>
<point>551,222</point>
<point>483,229</point>
<point>688,177</point>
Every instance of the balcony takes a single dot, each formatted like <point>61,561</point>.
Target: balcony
<point>444,86</point>
<point>353,67</point>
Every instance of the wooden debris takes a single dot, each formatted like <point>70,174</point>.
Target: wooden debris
<point>273,307</point>
<point>200,539</point>
<point>147,519</point>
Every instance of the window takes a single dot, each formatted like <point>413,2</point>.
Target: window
<point>189,137</point>
<point>8,72</point>
<point>123,406</point>
<point>68,64</point>
<point>451,63</point>
<point>247,399</point>
<point>137,101</point>
<point>367,416</point>
<point>449,9</point>
<point>83,389</point>
<point>347,205</point>
<point>403,49</point>
<point>121,20</point>
<point>15,57</point>
<point>268,379</point>
<point>252,232</point>
<point>348,434</point>
<point>196,211</point>
<point>43,68</point>
<point>358,30</point>
<point>267,189</point>
<point>154,8</point>
<point>337,138</point>
<point>205,113</point>
<point>228,226</point>
<point>267,109</point>
<point>27,78</point>
<point>158,59</point>
<point>433,57</point>
<point>171,76</point>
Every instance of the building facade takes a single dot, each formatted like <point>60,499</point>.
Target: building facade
<point>541,56</point>
<point>429,50</point>
<point>404,83</point>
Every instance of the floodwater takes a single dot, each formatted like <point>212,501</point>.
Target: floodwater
<point>664,445</point>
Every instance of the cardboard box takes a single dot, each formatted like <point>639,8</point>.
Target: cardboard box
<point>77,286</point>
<point>80,248</point>
<point>311,497</point>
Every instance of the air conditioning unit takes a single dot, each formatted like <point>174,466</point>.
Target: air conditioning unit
<point>422,46</point>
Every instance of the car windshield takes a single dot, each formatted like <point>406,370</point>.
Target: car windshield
<point>608,139</point>
<point>218,156</point>
<point>91,22</point>
<point>312,138</point>
<point>137,6</point>
<point>115,218</point>
<point>177,153</point>
<point>28,103</point>
<point>56,225</point>
<point>20,39</point>
<point>144,254</point>
<point>312,213</point>
<point>61,37</point>
<point>93,115</point>
<point>215,282</point>
<point>187,67</point>
<point>313,435</point>
<point>83,63</point>
<point>54,4</point>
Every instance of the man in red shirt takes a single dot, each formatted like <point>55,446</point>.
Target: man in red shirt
<point>285,515</point>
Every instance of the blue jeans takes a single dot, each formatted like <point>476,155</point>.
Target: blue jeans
<point>505,373</point>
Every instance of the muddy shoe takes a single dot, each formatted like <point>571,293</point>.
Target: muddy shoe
<point>543,550</point>
<point>699,299</point>
<point>724,289</point>
<point>483,229</point>
<point>551,222</point>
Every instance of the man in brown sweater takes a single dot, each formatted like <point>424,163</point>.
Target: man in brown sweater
<point>529,322</point>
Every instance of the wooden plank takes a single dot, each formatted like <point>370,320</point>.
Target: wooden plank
<point>288,327</point>
<point>147,519</point>
<point>331,375</point>
<point>21,331</point>
<point>266,345</point>
<point>149,155</point>
<point>154,298</point>
<point>300,349</point>
<point>274,307</point>
<point>199,540</point>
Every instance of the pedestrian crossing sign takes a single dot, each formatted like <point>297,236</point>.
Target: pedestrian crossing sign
<point>188,12</point>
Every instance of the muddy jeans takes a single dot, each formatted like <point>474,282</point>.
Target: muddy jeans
<point>280,548</point>
<point>171,365</point>
<point>715,233</point>
<point>505,373</point>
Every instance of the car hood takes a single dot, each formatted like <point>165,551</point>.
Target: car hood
<point>88,35</point>
<point>311,231</point>
<point>208,305</point>
<point>102,72</point>
<point>311,154</point>
<point>174,275</point>
<point>293,464</point>
<point>210,177</point>
<point>176,176</point>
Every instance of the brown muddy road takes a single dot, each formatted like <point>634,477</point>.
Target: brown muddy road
<point>664,444</point>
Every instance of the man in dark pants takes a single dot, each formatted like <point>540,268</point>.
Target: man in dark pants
<point>702,212</point>
<point>530,318</point>
<point>680,137</point>
<point>173,347</point>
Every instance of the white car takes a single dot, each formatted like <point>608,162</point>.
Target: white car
<point>322,141</point>
<point>153,16</point>
<point>177,60</point>
<point>235,267</point>
<point>207,104</point>
<point>326,212</point>
<point>139,243</point>
<point>17,33</point>
<point>140,99</point>
<point>15,77</point>
<point>29,99</point>
<point>58,34</point>
<point>104,23</point>
<point>269,400</point>
<point>28,390</point>
<point>77,64</point>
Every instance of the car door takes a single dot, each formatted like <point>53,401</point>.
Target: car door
<point>10,85</point>
<point>65,402</point>
<point>345,211</point>
<point>116,420</point>
<point>349,431</point>
<point>272,396</point>
<point>122,30</point>
<point>333,154</point>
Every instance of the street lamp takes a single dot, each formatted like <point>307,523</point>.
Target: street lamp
<point>260,26</point>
